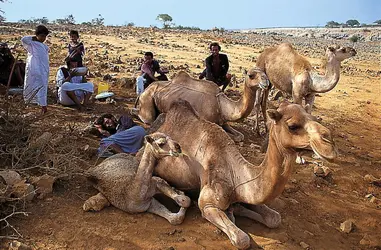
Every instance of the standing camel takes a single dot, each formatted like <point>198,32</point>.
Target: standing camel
<point>292,73</point>
<point>212,164</point>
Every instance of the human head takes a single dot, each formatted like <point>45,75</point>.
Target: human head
<point>148,57</point>
<point>41,33</point>
<point>215,48</point>
<point>74,36</point>
<point>108,122</point>
<point>71,64</point>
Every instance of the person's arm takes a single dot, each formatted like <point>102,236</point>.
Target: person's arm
<point>209,70</point>
<point>60,78</point>
<point>226,65</point>
<point>146,69</point>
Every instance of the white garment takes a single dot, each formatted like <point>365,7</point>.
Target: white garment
<point>140,84</point>
<point>76,85</point>
<point>36,71</point>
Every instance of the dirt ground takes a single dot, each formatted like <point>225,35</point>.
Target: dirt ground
<point>312,208</point>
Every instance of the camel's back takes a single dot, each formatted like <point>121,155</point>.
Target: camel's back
<point>200,94</point>
<point>281,64</point>
<point>113,174</point>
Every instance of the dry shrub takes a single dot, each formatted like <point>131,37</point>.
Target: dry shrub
<point>28,150</point>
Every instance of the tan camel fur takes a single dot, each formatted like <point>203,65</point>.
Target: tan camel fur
<point>129,185</point>
<point>204,96</point>
<point>292,73</point>
<point>212,164</point>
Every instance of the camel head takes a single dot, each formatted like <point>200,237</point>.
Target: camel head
<point>162,145</point>
<point>294,129</point>
<point>340,53</point>
<point>257,78</point>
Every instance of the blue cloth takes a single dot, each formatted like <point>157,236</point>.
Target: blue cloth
<point>129,140</point>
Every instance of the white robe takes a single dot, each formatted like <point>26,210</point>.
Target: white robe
<point>36,72</point>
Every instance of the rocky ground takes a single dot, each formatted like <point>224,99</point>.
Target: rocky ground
<point>339,210</point>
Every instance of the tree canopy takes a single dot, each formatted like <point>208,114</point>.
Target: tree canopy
<point>378,21</point>
<point>352,22</point>
<point>165,19</point>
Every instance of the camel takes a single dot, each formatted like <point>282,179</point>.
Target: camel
<point>130,186</point>
<point>205,97</point>
<point>292,73</point>
<point>212,164</point>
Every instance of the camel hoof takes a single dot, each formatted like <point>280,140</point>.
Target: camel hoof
<point>183,200</point>
<point>240,240</point>
<point>274,220</point>
<point>95,203</point>
<point>178,218</point>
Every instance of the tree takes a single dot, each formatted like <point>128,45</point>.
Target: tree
<point>332,24</point>
<point>352,22</point>
<point>98,21</point>
<point>70,19</point>
<point>378,21</point>
<point>165,19</point>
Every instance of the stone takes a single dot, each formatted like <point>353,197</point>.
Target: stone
<point>41,141</point>
<point>43,184</point>
<point>23,190</point>
<point>10,177</point>
<point>17,245</point>
<point>346,226</point>
<point>369,241</point>
<point>322,171</point>
<point>304,245</point>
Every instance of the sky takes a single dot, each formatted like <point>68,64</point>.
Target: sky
<point>228,14</point>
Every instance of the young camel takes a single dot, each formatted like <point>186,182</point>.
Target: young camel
<point>130,186</point>
<point>292,73</point>
<point>204,96</point>
<point>212,164</point>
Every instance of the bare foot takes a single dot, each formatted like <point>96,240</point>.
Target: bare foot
<point>44,109</point>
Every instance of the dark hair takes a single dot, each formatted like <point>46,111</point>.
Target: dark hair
<point>74,32</point>
<point>100,122</point>
<point>41,30</point>
<point>149,53</point>
<point>214,44</point>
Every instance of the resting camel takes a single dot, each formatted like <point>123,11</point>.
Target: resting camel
<point>212,164</point>
<point>204,96</point>
<point>292,73</point>
<point>130,186</point>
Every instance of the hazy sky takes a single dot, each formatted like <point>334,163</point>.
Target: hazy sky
<point>229,14</point>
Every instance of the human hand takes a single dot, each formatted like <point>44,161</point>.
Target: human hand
<point>73,72</point>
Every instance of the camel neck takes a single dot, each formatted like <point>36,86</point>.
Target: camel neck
<point>322,84</point>
<point>263,183</point>
<point>236,110</point>
<point>145,168</point>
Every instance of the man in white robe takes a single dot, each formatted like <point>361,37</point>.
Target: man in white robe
<point>37,68</point>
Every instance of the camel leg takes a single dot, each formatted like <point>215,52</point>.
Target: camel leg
<point>234,134</point>
<point>159,209</point>
<point>257,107</point>
<point>260,213</point>
<point>265,96</point>
<point>96,203</point>
<point>310,99</point>
<point>219,218</point>
<point>177,195</point>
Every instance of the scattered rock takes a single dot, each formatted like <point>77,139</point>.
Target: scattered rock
<point>322,171</point>
<point>304,245</point>
<point>372,180</point>
<point>17,245</point>
<point>370,241</point>
<point>41,141</point>
<point>10,177</point>
<point>43,185</point>
<point>23,190</point>
<point>346,226</point>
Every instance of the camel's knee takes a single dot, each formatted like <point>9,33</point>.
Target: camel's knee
<point>178,218</point>
<point>240,240</point>
<point>183,200</point>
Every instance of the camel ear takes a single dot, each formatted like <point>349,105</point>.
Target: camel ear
<point>149,139</point>
<point>332,49</point>
<point>274,115</point>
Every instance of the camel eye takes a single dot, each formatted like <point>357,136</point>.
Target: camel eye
<point>293,128</point>
<point>252,76</point>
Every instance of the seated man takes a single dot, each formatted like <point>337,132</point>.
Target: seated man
<point>73,89</point>
<point>6,62</point>
<point>148,69</point>
<point>217,66</point>
<point>122,136</point>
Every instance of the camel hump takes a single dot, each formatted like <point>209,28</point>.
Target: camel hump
<point>182,107</point>
<point>285,46</point>
<point>181,76</point>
